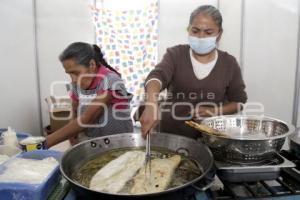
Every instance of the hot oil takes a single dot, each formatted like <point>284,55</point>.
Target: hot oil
<point>187,170</point>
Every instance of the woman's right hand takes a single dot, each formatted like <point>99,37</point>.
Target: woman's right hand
<point>74,140</point>
<point>149,118</point>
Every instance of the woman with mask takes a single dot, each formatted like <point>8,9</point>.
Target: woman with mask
<point>201,80</point>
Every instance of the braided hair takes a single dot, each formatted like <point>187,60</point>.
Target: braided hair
<point>83,53</point>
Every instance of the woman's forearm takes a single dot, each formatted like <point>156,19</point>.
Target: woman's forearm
<point>73,128</point>
<point>66,132</point>
<point>152,91</point>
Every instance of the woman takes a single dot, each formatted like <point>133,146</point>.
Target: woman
<point>200,79</point>
<point>99,98</point>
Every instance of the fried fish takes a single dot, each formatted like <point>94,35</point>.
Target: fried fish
<point>160,177</point>
<point>114,175</point>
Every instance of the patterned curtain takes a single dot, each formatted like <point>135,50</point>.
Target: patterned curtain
<point>128,39</point>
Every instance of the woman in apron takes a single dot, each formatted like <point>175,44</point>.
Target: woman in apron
<point>99,98</point>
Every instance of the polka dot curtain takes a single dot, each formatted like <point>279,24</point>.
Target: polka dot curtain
<point>128,39</point>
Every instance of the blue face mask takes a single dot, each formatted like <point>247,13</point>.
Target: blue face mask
<point>203,45</point>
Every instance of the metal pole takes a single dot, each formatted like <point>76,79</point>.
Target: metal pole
<point>297,76</point>
<point>242,38</point>
<point>37,71</point>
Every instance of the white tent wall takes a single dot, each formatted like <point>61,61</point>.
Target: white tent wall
<point>19,103</point>
<point>270,54</point>
<point>262,34</point>
<point>232,13</point>
<point>59,23</point>
<point>174,20</point>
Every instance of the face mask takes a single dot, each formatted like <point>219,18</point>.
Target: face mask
<point>203,45</point>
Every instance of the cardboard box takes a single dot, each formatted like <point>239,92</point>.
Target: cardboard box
<point>59,112</point>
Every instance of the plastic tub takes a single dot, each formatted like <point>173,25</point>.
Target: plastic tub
<point>23,191</point>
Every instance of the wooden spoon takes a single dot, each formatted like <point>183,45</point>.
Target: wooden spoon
<point>206,129</point>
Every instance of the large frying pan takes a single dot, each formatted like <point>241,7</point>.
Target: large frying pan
<point>81,153</point>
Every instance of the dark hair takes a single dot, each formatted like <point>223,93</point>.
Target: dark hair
<point>83,53</point>
<point>210,11</point>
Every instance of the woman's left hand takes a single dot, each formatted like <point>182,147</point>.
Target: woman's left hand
<point>204,111</point>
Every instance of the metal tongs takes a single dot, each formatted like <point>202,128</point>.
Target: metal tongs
<point>148,155</point>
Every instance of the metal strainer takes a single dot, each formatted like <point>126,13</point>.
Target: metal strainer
<point>250,138</point>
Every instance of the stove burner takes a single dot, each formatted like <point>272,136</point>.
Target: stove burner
<point>286,183</point>
<point>269,169</point>
<point>275,161</point>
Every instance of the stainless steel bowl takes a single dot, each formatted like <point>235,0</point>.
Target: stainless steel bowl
<point>250,138</point>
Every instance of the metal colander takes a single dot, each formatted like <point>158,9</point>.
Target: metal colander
<point>250,138</point>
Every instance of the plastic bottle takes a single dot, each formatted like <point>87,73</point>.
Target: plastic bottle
<point>10,137</point>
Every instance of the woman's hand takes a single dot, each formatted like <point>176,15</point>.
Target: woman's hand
<point>149,118</point>
<point>74,140</point>
<point>210,111</point>
<point>205,111</point>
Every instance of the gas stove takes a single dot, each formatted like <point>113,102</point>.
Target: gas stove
<point>283,180</point>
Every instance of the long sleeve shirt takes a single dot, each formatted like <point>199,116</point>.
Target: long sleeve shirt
<point>223,84</point>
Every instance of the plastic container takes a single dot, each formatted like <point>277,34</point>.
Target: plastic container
<point>20,135</point>
<point>33,143</point>
<point>23,191</point>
